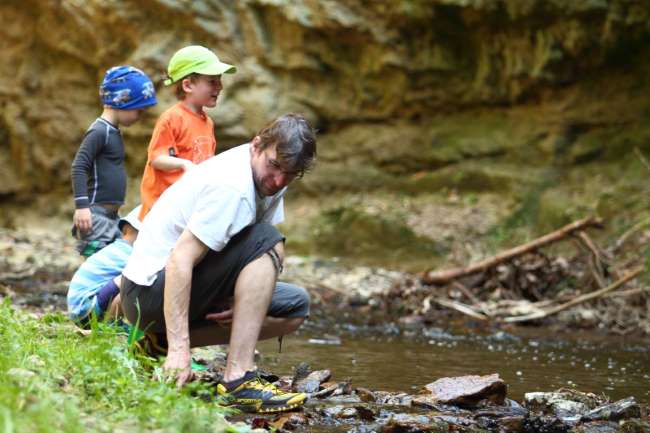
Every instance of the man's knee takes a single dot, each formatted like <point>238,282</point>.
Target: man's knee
<point>279,248</point>
<point>302,302</point>
<point>294,323</point>
<point>276,253</point>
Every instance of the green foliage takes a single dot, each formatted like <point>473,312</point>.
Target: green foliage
<point>54,379</point>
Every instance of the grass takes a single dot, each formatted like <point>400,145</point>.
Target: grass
<point>54,379</point>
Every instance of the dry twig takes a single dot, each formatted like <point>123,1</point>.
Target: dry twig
<point>642,158</point>
<point>442,277</point>
<point>463,308</point>
<point>576,301</point>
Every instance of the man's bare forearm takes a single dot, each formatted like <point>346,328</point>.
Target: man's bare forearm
<point>178,283</point>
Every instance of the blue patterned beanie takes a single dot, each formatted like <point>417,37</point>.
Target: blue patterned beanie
<point>127,88</point>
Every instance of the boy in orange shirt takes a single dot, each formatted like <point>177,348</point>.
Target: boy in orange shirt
<point>184,134</point>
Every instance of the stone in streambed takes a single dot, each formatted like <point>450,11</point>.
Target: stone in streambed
<point>464,391</point>
<point>622,409</point>
<point>312,382</point>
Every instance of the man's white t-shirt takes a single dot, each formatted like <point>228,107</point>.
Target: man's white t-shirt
<point>215,200</point>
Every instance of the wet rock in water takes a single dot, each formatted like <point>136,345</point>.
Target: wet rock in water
<point>284,383</point>
<point>365,395</point>
<point>634,426</point>
<point>568,406</point>
<point>412,321</point>
<point>503,336</point>
<point>366,413</point>
<point>344,388</point>
<point>348,412</point>
<point>344,399</point>
<point>597,427</point>
<point>326,339</point>
<point>455,423</point>
<point>434,333</point>
<point>622,409</point>
<point>545,424</point>
<point>545,401</point>
<point>463,391</point>
<point>511,424</point>
<point>406,423</point>
<point>328,388</point>
<point>312,382</point>
<point>393,398</point>
<point>289,421</point>
<point>333,411</point>
<point>302,371</point>
<point>510,408</point>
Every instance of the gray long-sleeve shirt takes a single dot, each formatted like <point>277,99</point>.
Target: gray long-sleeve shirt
<point>98,172</point>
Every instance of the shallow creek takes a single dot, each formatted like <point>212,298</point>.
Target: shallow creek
<point>529,361</point>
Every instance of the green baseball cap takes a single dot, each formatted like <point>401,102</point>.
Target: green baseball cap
<point>195,59</point>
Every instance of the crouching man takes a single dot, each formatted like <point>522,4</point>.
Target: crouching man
<point>211,238</point>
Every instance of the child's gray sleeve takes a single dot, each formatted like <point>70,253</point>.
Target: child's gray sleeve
<point>82,166</point>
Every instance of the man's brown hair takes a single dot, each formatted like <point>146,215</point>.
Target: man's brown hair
<point>295,142</point>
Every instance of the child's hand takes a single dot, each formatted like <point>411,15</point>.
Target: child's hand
<point>83,220</point>
<point>187,165</point>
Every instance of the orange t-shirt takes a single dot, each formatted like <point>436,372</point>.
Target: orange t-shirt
<point>179,132</point>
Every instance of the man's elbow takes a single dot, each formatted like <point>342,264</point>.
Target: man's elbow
<point>178,263</point>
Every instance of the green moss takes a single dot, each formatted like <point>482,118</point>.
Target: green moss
<point>468,177</point>
<point>351,232</point>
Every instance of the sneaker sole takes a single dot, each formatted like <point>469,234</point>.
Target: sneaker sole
<point>255,408</point>
<point>283,408</point>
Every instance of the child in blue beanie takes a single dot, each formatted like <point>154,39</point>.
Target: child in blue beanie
<point>98,172</point>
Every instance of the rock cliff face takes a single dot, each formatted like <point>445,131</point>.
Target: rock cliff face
<point>400,90</point>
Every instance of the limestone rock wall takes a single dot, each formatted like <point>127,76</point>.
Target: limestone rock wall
<point>395,87</point>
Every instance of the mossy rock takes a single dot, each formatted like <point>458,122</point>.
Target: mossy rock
<point>350,231</point>
<point>558,208</point>
<point>349,177</point>
<point>469,177</point>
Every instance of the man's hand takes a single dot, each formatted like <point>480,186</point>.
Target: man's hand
<point>83,220</point>
<point>223,318</point>
<point>178,365</point>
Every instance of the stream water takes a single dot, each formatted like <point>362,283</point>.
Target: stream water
<point>389,358</point>
<point>527,362</point>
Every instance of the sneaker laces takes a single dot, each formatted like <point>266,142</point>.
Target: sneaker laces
<point>264,385</point>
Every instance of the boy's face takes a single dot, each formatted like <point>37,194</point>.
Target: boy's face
<point>203,91</point>
<point>128,117</point>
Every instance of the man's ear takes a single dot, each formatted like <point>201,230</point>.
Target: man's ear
<point>257,142</point>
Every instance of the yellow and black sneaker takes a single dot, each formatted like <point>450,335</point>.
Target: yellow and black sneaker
<point>251,393</point>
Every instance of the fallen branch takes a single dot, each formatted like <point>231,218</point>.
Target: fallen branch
<point>323,392</point>
<point>466,292</point>
<point>630,292</point>
<point>575,301</point>
<point>442,277</point>
<point>642,158</point>
<point>636,227</point>
<point>463,308</point>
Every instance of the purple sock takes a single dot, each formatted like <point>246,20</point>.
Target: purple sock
<point>106,295</point>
